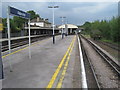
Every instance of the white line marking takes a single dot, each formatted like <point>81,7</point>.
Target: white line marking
<point>84,81</point>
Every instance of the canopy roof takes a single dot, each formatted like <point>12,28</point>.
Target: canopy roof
<point>68,25</point>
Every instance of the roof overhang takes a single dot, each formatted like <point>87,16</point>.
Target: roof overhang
<point>68,26</point>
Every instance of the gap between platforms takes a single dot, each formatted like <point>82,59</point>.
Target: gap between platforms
<point>65,58</point>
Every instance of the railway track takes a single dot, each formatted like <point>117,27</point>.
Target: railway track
<point>21,43</point>
<point>111,62</point>
<point>92,80</point>
<point>115,47</point>
<point>92,77</point>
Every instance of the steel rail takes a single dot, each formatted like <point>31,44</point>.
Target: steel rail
<point>109,60</point>
<point>115,47</point>
<point>91,66</point>
<point>14,45</point>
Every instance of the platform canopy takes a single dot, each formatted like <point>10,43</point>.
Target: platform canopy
<point>68,25</point>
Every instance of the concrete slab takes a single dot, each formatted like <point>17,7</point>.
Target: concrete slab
<point>37,72</point>
<point>72,77</point>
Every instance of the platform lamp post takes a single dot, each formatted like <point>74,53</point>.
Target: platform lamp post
<point>62,24</point>
<point>53,7</point>
<point>67,26</point>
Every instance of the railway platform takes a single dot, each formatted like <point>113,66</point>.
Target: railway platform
<point>23,37</point>
<point>51,66</point>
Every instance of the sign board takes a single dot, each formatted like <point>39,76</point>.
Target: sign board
<point>16,12</point>
<point>22,14</point>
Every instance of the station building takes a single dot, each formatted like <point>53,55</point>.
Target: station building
<point>41,26</point>
<point>40,22</point>
<point>68,28</point>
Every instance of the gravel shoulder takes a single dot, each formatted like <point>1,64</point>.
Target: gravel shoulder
<point>111,51</point>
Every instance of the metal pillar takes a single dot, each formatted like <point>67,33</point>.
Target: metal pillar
<point>29,41</point>
<point>9,39</point>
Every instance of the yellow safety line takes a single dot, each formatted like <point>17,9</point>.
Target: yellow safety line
<point>50,84</point>
<point>59,85</point>
<point>23,48</point>
<point>14,52</point>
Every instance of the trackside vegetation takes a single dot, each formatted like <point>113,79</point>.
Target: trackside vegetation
<point>104,30</point>
<point>17,23</point>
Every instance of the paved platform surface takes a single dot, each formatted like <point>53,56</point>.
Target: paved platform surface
<point>50,66</point>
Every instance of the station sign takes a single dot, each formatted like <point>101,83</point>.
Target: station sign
<point>16,12</point>
<point>22,14</point>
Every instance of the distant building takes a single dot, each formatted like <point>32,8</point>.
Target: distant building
<point>68,28</point>
<point>38,22</point>
<point>78,30</point>
<point>40,26</point>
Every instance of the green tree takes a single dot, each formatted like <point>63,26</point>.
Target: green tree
<point>19,22</point>
<point>109,30</point>
<point>13,27</point>
<point>33,14</point>
<point>114,29</point>
<point>105,29</point>
<point>87,28</point>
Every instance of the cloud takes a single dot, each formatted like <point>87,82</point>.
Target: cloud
<point>60,0</point>
<point>25,6</point>
<point>80,12</point>
<point>97,7</point>
<point>94,11</point>
<point>76,13</point>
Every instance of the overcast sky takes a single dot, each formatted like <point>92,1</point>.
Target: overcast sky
<point>76,12</point>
